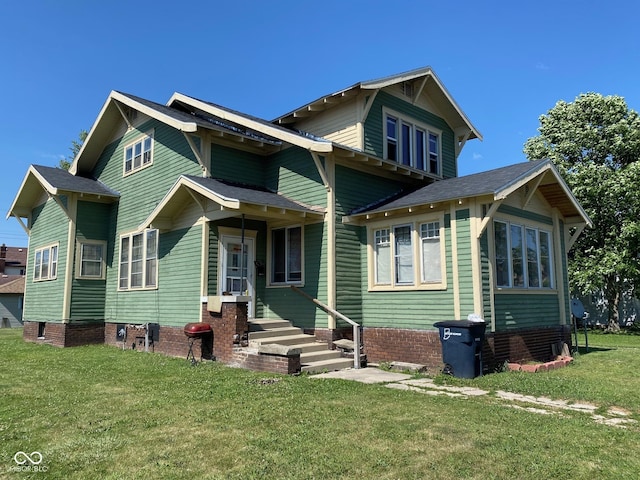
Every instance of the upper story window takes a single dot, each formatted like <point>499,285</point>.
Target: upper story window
<point>523,256</point>
<point>286,255</point>
<point>90,259</point>
<point>407,256</point>
<point>138,154</point>
<point>138,260</point>
<point>412,144</point>
<point>46,263</point>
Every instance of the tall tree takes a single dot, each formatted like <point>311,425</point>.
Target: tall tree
<point>595,143</point>
<point>75,147</point>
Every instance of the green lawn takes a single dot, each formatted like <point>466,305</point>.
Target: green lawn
<point>103,413</point>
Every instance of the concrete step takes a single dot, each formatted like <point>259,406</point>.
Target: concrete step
<point>285,340</point>
<point>274,332</point>
<point>260,324</point>
<point>318,355</point>
<point>311,347</point>
<point>327,365</point>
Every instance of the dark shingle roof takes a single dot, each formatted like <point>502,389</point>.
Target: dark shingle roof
<point>63,180</point>
<point>484,183</point>
<point>248,194</point>
<point>11,284</point>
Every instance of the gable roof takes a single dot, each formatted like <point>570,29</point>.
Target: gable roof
<point>430,83</point>
<point>54,181</point>
<point>11,284</point>
<point>228,200</point>
<point>498,183</point>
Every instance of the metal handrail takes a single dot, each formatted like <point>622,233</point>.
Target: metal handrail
<point>331,311</point>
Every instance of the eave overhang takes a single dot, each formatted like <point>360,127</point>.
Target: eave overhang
<point>216,203</point>
<point>35,183</point>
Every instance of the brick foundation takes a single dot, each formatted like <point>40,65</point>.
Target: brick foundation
<point>424,347</point>
<point>286,365</point>
<point>59,334</point>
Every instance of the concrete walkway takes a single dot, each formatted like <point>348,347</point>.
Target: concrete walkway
<point>540,405</point>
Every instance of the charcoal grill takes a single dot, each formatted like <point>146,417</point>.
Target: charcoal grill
<point>195,332</point>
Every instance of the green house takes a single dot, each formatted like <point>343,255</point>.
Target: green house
<point>347,210</point>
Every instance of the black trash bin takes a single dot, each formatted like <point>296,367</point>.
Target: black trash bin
<point>462,347</point>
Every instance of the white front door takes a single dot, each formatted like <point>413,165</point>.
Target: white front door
<point>237,270</point>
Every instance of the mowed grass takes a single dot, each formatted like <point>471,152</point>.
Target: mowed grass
<point>103,413</point>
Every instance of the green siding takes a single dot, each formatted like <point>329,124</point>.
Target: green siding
<point>374,131</point>
<point>486,278</point>
<point>237,166</point>
<point>515,311</point>
<point>43,299</point>
<point>176,301</point>
<point>351,241</point>
<point>140,193</point>
<point>524,214</point>
<point>282,302</point>
<point>88,296</point>
<point>409,309</point>
<point>293,173</point>
<point>465,271</point>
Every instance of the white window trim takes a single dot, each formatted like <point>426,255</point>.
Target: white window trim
<point>270,282</point>
<point>524,225</point>
<point>139,139</point>
<point>49,277</point>
<point>404,119</point>
<point>418,283</point>
<point>130,235</point>
<point>79,246</point>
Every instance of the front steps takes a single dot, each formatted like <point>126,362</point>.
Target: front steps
<point>315,357</point>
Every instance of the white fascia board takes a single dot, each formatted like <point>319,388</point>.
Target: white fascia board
<point>230,203</point>
<point>116,96</point>
<point>280,134</point>
<point>46,186</point>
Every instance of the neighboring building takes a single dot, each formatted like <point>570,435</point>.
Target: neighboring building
<point>13,263</point>
<point>353,198</point>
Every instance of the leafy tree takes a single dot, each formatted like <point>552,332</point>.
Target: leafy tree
<point>595,143</point>
<point>76,145</point>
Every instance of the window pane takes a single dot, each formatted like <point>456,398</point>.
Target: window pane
<point>278,256</point>
<point>545,260</point>
<point>382,254</point>
<point>147,150</point>
<point>516,256</point>
<point>137,156</point>
<point>420,152</point>
<point>136,260</point>
<point>431,259</point>
<point>406,144</point>
<point>151,258</point>
<point>532,257</point>
<point>37,265</point>
<point>294,256</point>
<point>124,263</point>
<point>54,261</point>
<point>392,139</point>
<point>433,154</point>
<point>45,263</point>
<point>502,254</point>
<point>403,255</point>
<point>128,159</point>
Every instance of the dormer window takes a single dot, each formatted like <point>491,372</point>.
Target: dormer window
<point>412,144</point>
<point>138,154</point>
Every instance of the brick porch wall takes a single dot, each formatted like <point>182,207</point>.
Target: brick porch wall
<point>424,347</point>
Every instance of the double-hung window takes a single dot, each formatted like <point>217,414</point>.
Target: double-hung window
<point>90,259</point>
<point>286,255</point>
<point>523,256</point>
<point>138,154</point>
<point>412,144</point>
<point>139,260</point>
<point>46,263</point>
<point>407,256</point>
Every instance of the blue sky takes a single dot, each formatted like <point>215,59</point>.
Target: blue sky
<point>505,62</point>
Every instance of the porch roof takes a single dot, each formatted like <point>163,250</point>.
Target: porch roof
<point>55,181</point>
<point>496,184</point>
<point>219,199</point>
